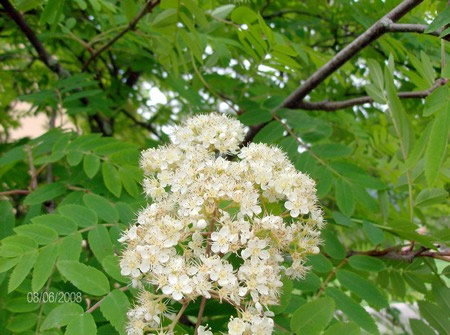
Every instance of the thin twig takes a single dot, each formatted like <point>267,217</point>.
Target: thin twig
<point>203,301</point>
<point>44,56</point>
<point>98,303</point>
<point>336,105</point>
<point>177,318</point>
<point>32,169</point>
<point>14,192</point>
<point>148,7</point>
<point>331,275</point>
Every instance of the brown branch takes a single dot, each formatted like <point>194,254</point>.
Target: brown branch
<point>414,28</point>
<point>292,11</point>
<point>44,56</point>
<point>335,105</point>
<point>379,28</point>
<point>375,31</point>
<point>331,275</point>
<point>145,125</point>
<point>14,192</point>
<point>397,254</point>
<point>148,7</point>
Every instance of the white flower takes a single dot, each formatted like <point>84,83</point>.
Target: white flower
<point>236,326</point>
<point>222,240</point>
<point>202,330</point>
<point>255,249</point>
<point>178,286</point>
<point>210,230</point>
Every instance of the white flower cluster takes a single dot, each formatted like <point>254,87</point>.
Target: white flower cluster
<point>219,227</point>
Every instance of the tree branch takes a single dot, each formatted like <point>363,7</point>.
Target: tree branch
<point>292,11</point>
<point>131,26</point>
<point>145,125</point>
<point>413,28</point>
<point>335,105</point>
<point>44,56</point>
<point>379,28</point>
<point>375,31</point>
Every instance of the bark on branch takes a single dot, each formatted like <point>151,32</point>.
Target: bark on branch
<point>379,28</point>
<point>131,26</point>
<point>414,28</point>
<point>330,106</point>
<point>44,56</point>
<point>375,31</point>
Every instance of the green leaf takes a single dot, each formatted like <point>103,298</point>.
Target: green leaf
<point>22,322</point>
<point>84,277</point>
<point>439,99</point>
<point>21,270</point>
<point>375,93</point>
<point>435,152</point>
<point>100,242</point>
<point>312,317</point>
<point>418,150</point>
<point>61,315</point>
<point>398,284</point>
<point>375,234</point>
<point>331,150</point>
<point>91,164</point>
<point>414,281</point>
<point>8,263</point>
<point>362,288</point>
<point>320,263</point>
<point>83,325</point>
<point>74,157</point>
<point>441,20</point>
<point>419,327</point>
<point>129,183</point>
<point>21,305</point>
<point>7,219</point>
<point>222,11</point>
<point>366,263</point>
<point>342,220</point>
<point>44,193</point>
<point>344,197</point>
<point>352,309</point>
<point>376,74</point>
<point>114,308</point>
<point>43,266</point>
<point>343,328</point>
<point>51,12</point>
<point>333,247</point>
<point>428,67</point>
<point>70,247</point>
<point>310,283</point>
<point>111,265</point>
<point>16,245</point>
<point>270,133</point>
<point>82,216</point>
<point>61,224</point>
<point>41,234</point>
<point>442,295</point>
<point>129,8</point>
<point>111,179</point>
<point>243,15</point>
<point>399,118</point>
<point>102,207</point>
<point>435,316</point>
<point>430,196</point>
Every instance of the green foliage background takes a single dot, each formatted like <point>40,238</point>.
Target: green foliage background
<point>381,168</point>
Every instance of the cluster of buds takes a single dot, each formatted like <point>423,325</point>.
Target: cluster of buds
<point>218,227</point>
